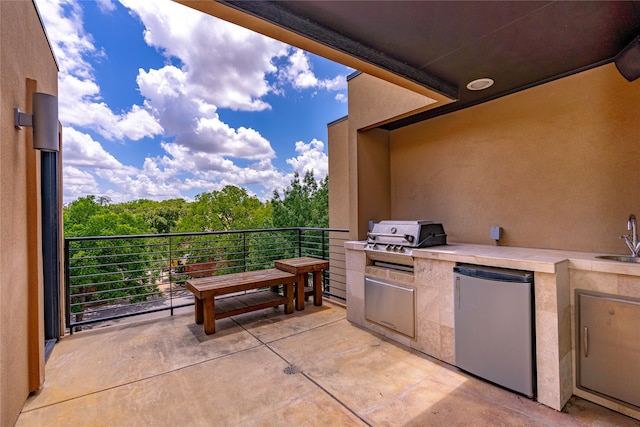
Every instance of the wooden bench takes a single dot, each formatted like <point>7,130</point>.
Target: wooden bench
<point>301,267</point>
<point>206,289</point>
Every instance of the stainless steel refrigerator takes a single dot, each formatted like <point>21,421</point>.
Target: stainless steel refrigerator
<point>494,325</point>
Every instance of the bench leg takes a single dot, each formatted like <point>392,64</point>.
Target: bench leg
<point>306,283</point>
<point>209,316</point>
<point>300,291</point>
<point>198,311</point>
<point>288,292</point>
<point>317,288</point>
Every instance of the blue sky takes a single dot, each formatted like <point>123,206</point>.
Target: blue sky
<point>160,101</point>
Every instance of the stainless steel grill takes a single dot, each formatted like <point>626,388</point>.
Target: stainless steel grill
<point>390,243</point>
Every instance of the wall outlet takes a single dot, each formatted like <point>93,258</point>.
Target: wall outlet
<point>496,233</point>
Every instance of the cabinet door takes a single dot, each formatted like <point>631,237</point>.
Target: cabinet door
<point>609,343</point>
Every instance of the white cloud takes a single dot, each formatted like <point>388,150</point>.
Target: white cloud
<point>226,65</point>
<point>341,97</point>
<point>78,183</point>
<point>299,71</point>
<point>336,83</point>
<point>80,105</point>
<point>299,74</point>
<point>194,122</point>
<point>106,6</point>
<point>142,185</point>
<point>311,157</point>
<point>180,171</point>
<point>83,154</point>
<point>79,94</point>
<point>63,21</point>
<point>136,124</point>
<point>80,150</point>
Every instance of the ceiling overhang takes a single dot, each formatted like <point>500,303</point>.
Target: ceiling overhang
<point>435,48</point>
<point>273,21</point>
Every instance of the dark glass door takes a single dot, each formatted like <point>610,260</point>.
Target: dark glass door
<point>50,248</point>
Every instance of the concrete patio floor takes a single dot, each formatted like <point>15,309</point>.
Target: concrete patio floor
<point>312,368</point>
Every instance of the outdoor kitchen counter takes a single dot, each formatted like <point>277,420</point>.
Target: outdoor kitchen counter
<point>557,274</point>
<point>540,260</point>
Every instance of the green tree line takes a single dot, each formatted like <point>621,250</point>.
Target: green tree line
<point>305,203</point>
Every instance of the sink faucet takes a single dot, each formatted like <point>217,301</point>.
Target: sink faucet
<point>632,240</point>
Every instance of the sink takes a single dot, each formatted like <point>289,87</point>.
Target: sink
<point>620,258</point>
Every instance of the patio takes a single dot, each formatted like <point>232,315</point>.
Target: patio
<point>267,368</point>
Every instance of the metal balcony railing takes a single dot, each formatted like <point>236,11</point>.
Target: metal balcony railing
<point>113,277</point>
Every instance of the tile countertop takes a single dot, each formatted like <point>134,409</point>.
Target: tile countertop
<point>542,260</point>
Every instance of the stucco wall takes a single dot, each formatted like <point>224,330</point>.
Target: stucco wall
<point>556,166</point>
<point>338,149</point>
<point>26,65</point>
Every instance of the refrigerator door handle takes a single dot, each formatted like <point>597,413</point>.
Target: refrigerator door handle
<point>585,342</point>
<point>458,290</point>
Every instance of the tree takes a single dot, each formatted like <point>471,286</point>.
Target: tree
<point>304,204</point>
<point>161,217</point>
<point>77,214</point>
<point>229,209</point>
<point>232,208</point>
<point>320,205</point>
<point>103,272</point>
<point>90,217</point>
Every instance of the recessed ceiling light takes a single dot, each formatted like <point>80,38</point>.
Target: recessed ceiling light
<point>480,84</point>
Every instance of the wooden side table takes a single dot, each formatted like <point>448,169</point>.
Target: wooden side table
<point>301,267</point>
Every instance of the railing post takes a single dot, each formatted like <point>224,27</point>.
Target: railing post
<point>170,275</point>
<point>324,257</point>
<point>324,248</point>
<point>299,242</point>
<point>244,251</point>
<point>67,287</point>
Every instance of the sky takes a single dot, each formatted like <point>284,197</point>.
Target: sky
<point>160,101</point>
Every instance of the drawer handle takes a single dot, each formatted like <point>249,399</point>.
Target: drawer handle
<point>389,324</point>
<point>585,341</point>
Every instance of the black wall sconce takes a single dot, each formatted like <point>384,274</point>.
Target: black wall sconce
<point>628,60</point>
<point>44,121</point>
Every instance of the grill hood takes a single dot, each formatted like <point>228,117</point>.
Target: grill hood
<point>407,234</point>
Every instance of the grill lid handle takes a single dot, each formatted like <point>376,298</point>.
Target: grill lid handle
<point>408,237</point>
<point>429,237</point>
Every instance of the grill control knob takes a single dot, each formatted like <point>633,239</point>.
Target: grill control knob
<point>401,249</point>
<point>388,247</point>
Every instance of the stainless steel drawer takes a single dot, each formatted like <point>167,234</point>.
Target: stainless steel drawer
<point>390,305</point>
<point>608,344</point>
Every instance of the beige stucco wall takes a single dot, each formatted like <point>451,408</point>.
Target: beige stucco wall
<point>26,65</point>
<point>338,150</point>
<point>556,166</point>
